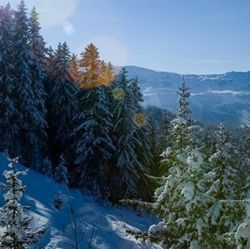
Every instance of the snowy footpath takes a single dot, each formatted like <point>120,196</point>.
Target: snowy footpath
<point>94,224</point>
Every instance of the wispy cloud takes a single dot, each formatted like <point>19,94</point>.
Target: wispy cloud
<point>222,92</point>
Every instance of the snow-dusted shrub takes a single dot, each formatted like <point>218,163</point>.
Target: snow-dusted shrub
<point>17,230</point>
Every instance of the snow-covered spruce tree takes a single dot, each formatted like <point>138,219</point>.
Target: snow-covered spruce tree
<point>61,171</point>
<point>61,105</point>
<point>228,188</point>
<point>141,133</point>
<point>183,199</point>
<point>39,76</point>
<point>225,166</point>
<point>127,168</point>
<point>8,126</point>
<point>39,52</point>
<point>17,232</point>
<point>93,125</point>
<point>141,122</point>
<point>36,42</point>
<point>30,118</point>
<point>93,143</point>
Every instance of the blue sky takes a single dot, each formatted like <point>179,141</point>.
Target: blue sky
<point>183,36</point>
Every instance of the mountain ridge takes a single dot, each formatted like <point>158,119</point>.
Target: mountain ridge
<point>184,74</point>
<point>214,97</point>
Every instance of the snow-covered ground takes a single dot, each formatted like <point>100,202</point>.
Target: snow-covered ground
<point>99,224</point>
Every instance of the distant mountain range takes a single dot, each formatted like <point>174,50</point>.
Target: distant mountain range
<point>214,97</point>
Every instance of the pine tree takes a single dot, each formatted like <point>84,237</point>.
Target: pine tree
<point>128,139</point>
<point>93,125</point>
<point>61,172</point>
<point>62,104</point>
<point>178,189</point>
<point>124,158</point>
<point>141,133</point>
<point>93,143</point>
<point>38,53</point>
<point>183,199</point>
<point>183,120</point>
<point>182,202</point>
<point>29,116</point>
<point>39,76</point>
<point>106,74</point>
<point>227,187</point>
<point>74,68</point>
<point>36,42</point>
<point>8,112</point>
<point>90,64</point>
<point>17,231</point>
<point>225,167</point>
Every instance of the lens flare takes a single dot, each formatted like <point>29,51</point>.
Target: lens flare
<point>118,94</point>
<point>140,119</point>
<point>68,28</point>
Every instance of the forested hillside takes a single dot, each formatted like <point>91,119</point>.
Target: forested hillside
<point>73,119</point>
<point>66,114</point>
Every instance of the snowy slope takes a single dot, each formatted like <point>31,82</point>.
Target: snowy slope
<point>100,225</point>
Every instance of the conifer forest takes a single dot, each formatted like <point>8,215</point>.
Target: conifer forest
<point>86,162</point>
